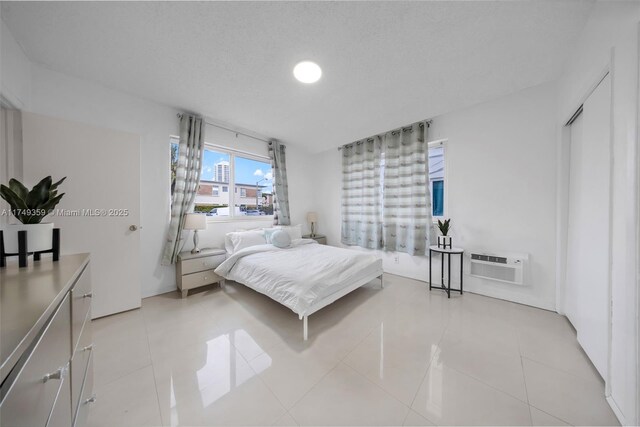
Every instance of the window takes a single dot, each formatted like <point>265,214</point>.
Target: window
<point>254,178</point>
<point>437,178</point>
<point>226,168</point>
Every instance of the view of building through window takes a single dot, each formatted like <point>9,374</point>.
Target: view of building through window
<point>221,170</point>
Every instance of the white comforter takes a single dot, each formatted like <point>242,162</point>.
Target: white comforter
<point>297,276</point>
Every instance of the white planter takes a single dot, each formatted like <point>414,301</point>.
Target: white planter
<point>39,237</point>
<point>444,241</point>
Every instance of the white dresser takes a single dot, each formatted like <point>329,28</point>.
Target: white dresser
<point>45,330</point>
<point>195,270</point>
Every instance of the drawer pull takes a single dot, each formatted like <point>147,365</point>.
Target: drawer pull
<point>60,373</point>
<point>90,400</point>
<point>88,348</point>
<point>89,295</point>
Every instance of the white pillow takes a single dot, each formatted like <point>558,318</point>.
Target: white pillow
<point>243,239</point>
<point>280,239</point>
<point>295,231</point>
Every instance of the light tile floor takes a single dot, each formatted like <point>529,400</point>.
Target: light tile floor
<point>395,356</point>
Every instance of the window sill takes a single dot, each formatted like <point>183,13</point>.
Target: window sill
<point>260,218</point>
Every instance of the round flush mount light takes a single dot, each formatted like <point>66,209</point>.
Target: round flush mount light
<point>307,72</point>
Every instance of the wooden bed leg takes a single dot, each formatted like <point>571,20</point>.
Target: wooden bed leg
<point>305,328</point>
<point>381,282</point>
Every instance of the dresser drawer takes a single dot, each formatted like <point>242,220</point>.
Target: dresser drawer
<point>31,396</point>
<point>87,398</point>
<point>80,361</point>
<point>195,280</point>
<point>61,414</point>
<point>201,264</point>
<point>80,303</point>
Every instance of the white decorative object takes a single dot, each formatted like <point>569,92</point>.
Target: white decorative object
<point>444,241</point>
<point>312,217</point>
<point>39,237</point>
<point>195,222</point>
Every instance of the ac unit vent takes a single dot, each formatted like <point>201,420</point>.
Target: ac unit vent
<point>489,258</point>
<point>508,269</point>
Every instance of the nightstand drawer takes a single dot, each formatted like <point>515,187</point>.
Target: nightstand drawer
<point>202,278</point>
<point>201,264</point>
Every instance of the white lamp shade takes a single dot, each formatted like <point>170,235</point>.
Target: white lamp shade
<point>195,221</point>
<point>312,217</point>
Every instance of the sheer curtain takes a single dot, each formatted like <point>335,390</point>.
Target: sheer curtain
<point>386,203</point>
<point>362,193</point>
<point>281,214</point>
<point>407,221</point>
<point>190,149</point>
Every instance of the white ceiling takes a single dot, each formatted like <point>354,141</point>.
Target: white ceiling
<point>385,64</point>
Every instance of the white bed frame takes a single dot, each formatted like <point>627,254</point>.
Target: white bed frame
<point>334,297</point>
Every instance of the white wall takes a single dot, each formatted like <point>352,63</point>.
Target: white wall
<point>610,40</point>
<point>11,149</point>
<point>15,70</point>
<point>500,191</point>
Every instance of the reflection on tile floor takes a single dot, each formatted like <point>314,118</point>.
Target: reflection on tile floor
<point>395,356</point>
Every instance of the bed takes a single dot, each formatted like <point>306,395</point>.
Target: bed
<point>305,277</point>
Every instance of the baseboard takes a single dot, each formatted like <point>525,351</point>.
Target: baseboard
<point>617,412</point>
<point>170,288</point>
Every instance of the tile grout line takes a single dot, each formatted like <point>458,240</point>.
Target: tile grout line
<point>551,415</point>
<point>312,387</point>
<point>377,386</point>
<point>526,389</point>
<point>571,374</point>
<point>415,396</point>
<point>153,371</point>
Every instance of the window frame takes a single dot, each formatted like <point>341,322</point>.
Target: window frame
<point>445,199</point>
<point>232,153</point>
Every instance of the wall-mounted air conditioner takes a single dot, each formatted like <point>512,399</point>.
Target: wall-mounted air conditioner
<point>502,268</point>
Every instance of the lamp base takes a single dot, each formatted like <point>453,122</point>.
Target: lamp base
<point>196,249</point>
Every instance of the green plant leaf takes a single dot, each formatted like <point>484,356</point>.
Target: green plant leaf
<point>444,226</point>
<point>56,184</point>
<point>49,205</point>
<point>17,187</point>
<point>12,198</point>
<point>42,198</point>
<point>39,194</point>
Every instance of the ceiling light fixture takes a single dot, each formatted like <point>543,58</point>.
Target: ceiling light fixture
<point>307,72</point>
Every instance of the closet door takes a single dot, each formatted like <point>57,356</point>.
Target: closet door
<point>587,292</point>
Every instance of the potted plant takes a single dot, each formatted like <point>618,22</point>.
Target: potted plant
<point>30,208</point>
<point>444,241</point>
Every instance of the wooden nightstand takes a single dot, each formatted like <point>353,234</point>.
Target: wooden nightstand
<point>195,270</point>
<point>320,238</point>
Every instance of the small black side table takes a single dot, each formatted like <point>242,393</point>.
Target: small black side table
<point>446,253</point>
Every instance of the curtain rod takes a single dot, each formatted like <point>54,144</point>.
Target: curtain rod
<point>231,130</point>
<point>393,132</point>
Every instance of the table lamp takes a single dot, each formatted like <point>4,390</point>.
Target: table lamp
<point>312,217</point>
<point>195,222</point>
